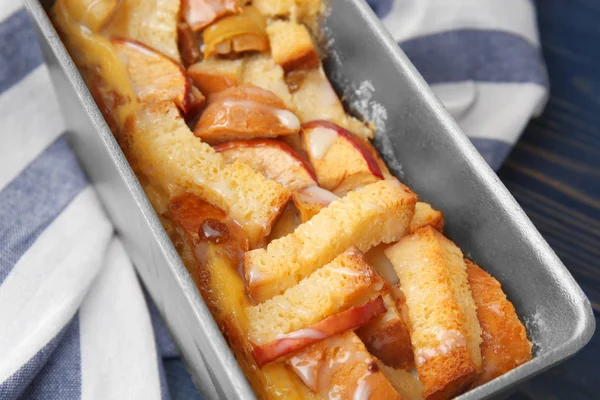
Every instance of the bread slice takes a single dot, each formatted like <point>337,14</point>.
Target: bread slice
<point>292,47</point>
<point>316,99</point>
<point>346,281</point>
<point>379,212</point>
<point>505,345</point>
<point>152,22</point>
<point>340,367</point>
<point>427,215</point>
<point>387,338</point>
<point>406,383</point>
<point>215,74</point>
<point>443,325</point>
<point>260,70</point>
<point>161,146</point>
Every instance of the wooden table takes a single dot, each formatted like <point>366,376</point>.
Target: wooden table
<point>554,173</point>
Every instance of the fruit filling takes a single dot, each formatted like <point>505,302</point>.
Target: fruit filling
<point>327,276</point>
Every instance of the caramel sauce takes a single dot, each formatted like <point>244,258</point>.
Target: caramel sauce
<point>295,79</point>
<point>188,45</point>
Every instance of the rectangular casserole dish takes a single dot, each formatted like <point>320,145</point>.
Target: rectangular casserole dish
<point>420,142</point>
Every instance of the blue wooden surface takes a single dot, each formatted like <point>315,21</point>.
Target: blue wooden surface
<point>554,173</point>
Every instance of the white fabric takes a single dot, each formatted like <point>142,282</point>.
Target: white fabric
<point>46,287</point>
<point>118,354</point>
<point>30,135</point>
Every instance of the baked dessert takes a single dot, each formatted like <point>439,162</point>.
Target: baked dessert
<point>327,276</point>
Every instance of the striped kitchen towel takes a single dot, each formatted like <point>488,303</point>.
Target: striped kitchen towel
<point>481,58</point>
<point>74,321</point>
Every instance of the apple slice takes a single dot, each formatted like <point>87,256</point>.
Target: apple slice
<point>201,13</point>
<point>272,158</point>
<point>341,160</point>
<point>341,367</point>
<point>245,112</point>
<point>236,34</point>
<point>215,75</point>
<point>333,325</point>
<point>155,77</point>
<point>92,13</point>
<point>311,199</point>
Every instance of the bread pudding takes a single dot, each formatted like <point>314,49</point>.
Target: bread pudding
<point>327,276</point>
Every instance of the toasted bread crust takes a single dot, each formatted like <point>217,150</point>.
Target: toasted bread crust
<point>341,367</point>
<point>505,345</point>
<point>377,213</point>
<point>443,325</point>
<point>291,46</point>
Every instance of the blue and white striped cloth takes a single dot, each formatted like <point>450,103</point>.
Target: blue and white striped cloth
<point>74,322</point>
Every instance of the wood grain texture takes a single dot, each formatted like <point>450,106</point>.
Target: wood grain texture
<point>554,173</point>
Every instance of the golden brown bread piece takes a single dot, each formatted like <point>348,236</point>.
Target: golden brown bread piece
<point>427,215</point>
<point>292,46</point>
<point>387,338</point>
<point>160,145</point>
<point>152,22</point>
<point>340,367</point>
<point>443,325</point>
<point>347,280</point>
<point>260,70</point>
<point>379,212</point>
<point>505,345</point>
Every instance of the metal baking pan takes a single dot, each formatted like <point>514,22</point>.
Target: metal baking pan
<point>423,146</point>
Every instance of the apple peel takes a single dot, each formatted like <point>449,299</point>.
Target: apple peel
<point>352,139</point>
<point>351,318</point>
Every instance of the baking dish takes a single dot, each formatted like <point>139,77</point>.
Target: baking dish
<point>423,147</point>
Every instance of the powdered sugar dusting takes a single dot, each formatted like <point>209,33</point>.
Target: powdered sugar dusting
<point>533,325</point>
